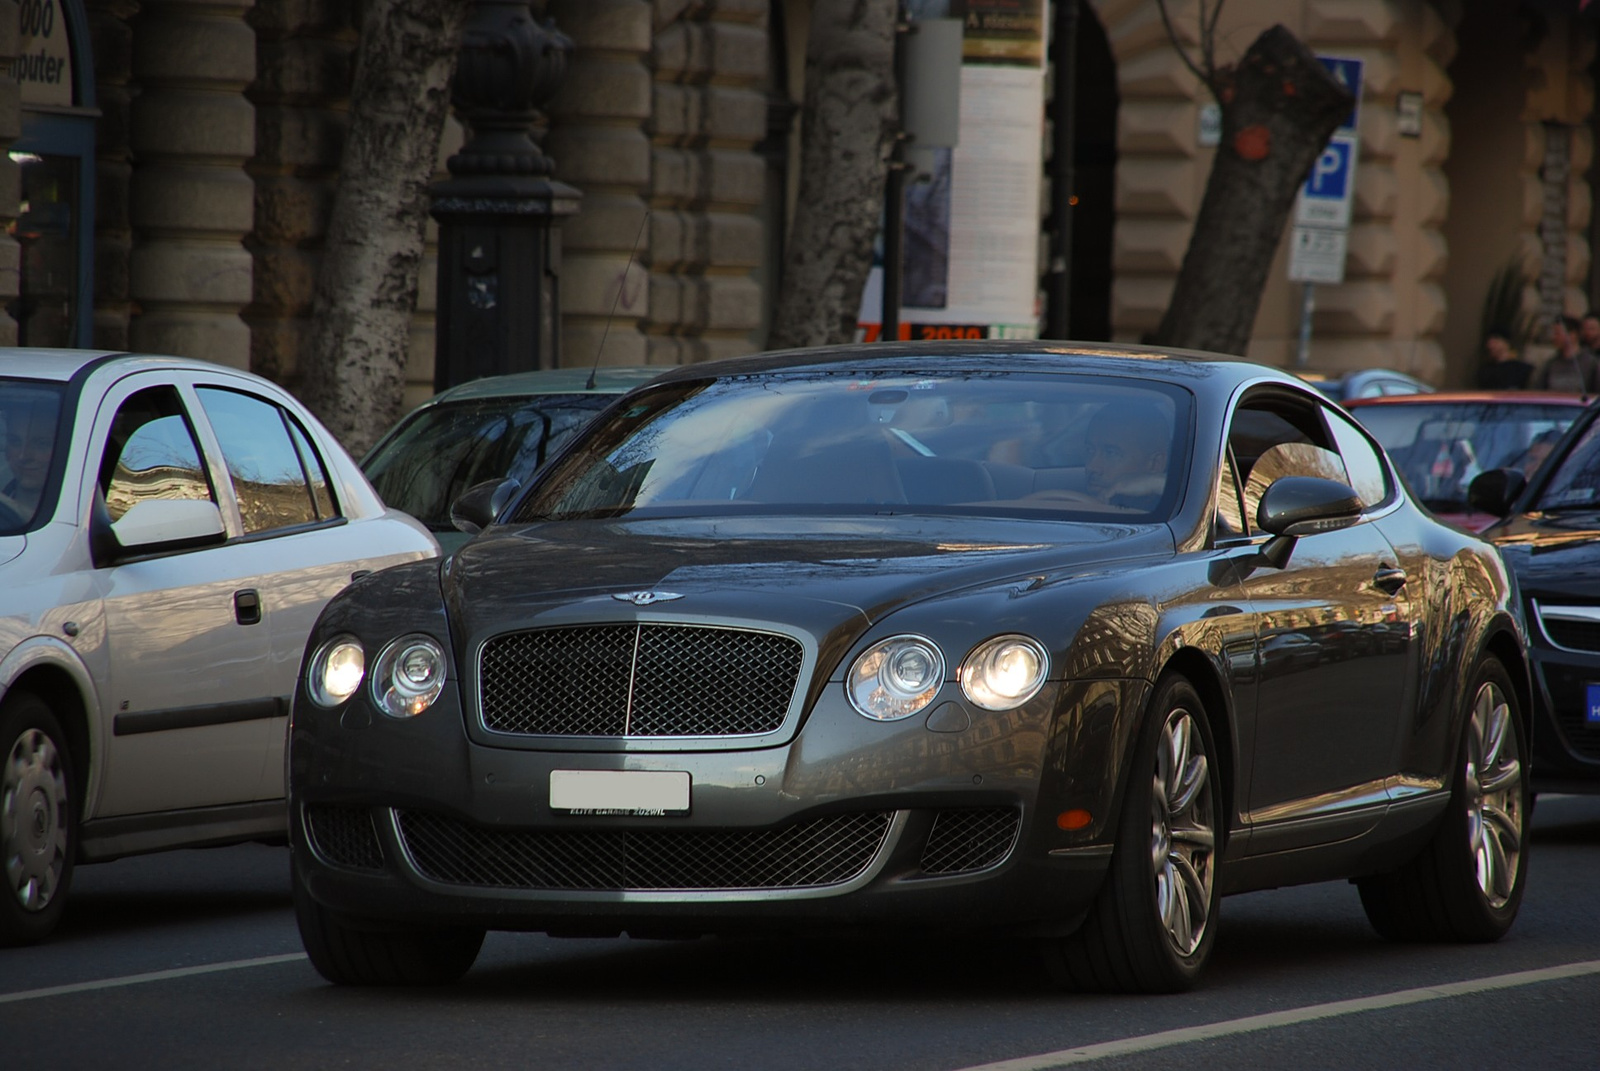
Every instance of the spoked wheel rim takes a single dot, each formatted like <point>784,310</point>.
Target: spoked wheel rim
<point>1182,832</point>
<point>34,819</point>
<point>1494,796</point>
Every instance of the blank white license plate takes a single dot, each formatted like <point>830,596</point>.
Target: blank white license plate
<point>630,792</point>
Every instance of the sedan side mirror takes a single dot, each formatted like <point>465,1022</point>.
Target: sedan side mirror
<point>153,525</point>
<point>1492,492</point>
<point>481,503</point>
<point>1296,506</point>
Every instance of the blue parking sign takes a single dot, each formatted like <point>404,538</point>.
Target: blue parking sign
<point>1591,712</point>
<point>1348,73</point>
<point>1330,175</point>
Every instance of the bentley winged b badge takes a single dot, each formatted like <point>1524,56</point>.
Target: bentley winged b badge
<point>646,598</point>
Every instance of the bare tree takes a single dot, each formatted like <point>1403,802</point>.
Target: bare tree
<point>366,291</point>
<point>1279,107</point>
<point>848,124</point>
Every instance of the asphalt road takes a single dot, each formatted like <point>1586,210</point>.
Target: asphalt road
<point>192,960</point>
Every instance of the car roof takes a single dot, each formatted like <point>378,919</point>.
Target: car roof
<point>61,365</point>
<point>1017,355</point>
<point>607,380</point>
<point>1513,397</point>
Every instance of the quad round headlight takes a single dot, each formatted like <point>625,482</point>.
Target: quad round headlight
<point>408,676</point>
<point>336,670</point>
<point>1004,672</point>
<point>896,677</point>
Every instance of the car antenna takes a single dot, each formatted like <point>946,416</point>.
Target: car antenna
<point>613,313</point>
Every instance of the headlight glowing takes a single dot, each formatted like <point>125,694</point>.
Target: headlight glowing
<point>336,671</point>
<point>408,676</point>
<point>895,678</point>
<point>1004,672</point>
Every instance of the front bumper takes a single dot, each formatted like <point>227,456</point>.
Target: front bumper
<point>850,823</point>
<point>1566,745</point>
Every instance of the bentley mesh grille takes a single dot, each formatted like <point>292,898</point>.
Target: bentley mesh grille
<point>344,836</point>
<point>640,680</point>
<point>820,852</point>
<point>967,840</point>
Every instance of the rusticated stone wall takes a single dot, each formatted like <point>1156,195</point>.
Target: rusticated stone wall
<point>708,182</point>
<point>191,130</point>
<point>599,145</point>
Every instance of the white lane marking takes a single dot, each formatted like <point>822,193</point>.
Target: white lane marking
<point>1272,1020</point>
<point>153,976</point>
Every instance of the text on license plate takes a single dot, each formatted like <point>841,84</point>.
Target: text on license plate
<point>628,792</point>
<point>1591,712</point>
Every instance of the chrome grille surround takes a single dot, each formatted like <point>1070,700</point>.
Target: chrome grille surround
<point>818,853</point>
<point>1571,628</point>
<point>343,836</point>
<point>638,680</point>
<point>964,841</point>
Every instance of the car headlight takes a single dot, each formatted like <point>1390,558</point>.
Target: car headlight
<point>1004,672</point>
<point>896,677</point>
<point>408,676</point>
<point>336,670</point>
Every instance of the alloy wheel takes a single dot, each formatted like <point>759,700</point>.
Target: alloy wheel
<point>1494,798</point>
<point>1182,832</point>
<point>34,819</point>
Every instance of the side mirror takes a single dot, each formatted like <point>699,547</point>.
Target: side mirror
<point>167,524</point>
<point>1305,505</point>
<point>1492,492</point>
<point>481,503</point>
<point>1296,506</point>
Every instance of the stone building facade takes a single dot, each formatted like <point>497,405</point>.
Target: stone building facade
<point>208,135</point>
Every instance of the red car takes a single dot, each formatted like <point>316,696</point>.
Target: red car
<point>1440,441</point>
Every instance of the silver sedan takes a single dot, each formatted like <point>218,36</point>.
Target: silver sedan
<point>169,531</point>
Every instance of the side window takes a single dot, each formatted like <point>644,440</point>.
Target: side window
<point>151,453</point>
<point>269,478</point>
<point>1361,460</point>
<point>316,473</point>
<point>1277,437</point>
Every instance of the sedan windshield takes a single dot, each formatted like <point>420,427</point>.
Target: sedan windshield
<point>1440,446</point>
<point>439,452</point>
<point>29,414</point>
<point>976,443</point>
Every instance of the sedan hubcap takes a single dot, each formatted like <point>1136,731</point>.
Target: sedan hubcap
<point>1182,832</point>
<point>33,819</point>
<point>1494,795</point>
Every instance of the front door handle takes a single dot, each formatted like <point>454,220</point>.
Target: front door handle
<point>1389,579</point>
<point>247,607</point>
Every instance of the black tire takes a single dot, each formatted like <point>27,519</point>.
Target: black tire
<point>38,819</point>
<point>1153,924</point>
<point>350,951</point>
<point>1467,884</point>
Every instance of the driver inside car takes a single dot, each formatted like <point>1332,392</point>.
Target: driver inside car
<point>1127,463</point>
<point>30,428</point>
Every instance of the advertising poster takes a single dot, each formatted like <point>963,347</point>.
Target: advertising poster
<point>971,215</point>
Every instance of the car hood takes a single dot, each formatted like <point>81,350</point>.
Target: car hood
<point>1554,555</point>
<point>812,573</point>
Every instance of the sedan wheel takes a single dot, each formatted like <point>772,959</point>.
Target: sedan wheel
<point>1153,922</point>
<point>36,820</point>
<point>1467,884</point>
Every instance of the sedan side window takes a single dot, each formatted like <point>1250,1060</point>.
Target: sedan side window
<point>1367,474</point>
<point>272,479</point>
<point>151,453</point>
<point>1278,437</point>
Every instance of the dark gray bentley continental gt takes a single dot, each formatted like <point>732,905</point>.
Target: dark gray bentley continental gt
<point>1071,640</point>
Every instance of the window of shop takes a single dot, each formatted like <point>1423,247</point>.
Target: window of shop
<point>54,227</point>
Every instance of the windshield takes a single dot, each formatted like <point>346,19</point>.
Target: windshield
<point>1575,481</point>
<point>1439,447</point>
<point>977,443</point>
<point>439,452</point>
<point>29,414</point>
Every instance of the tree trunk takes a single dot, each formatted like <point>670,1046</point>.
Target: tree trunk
<point>847,129</point>
<point>366,292</point>
<point>1279,107</point>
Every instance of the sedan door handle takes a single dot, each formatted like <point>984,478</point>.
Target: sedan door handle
<point>1389,579</point>
<point>247,607</point>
